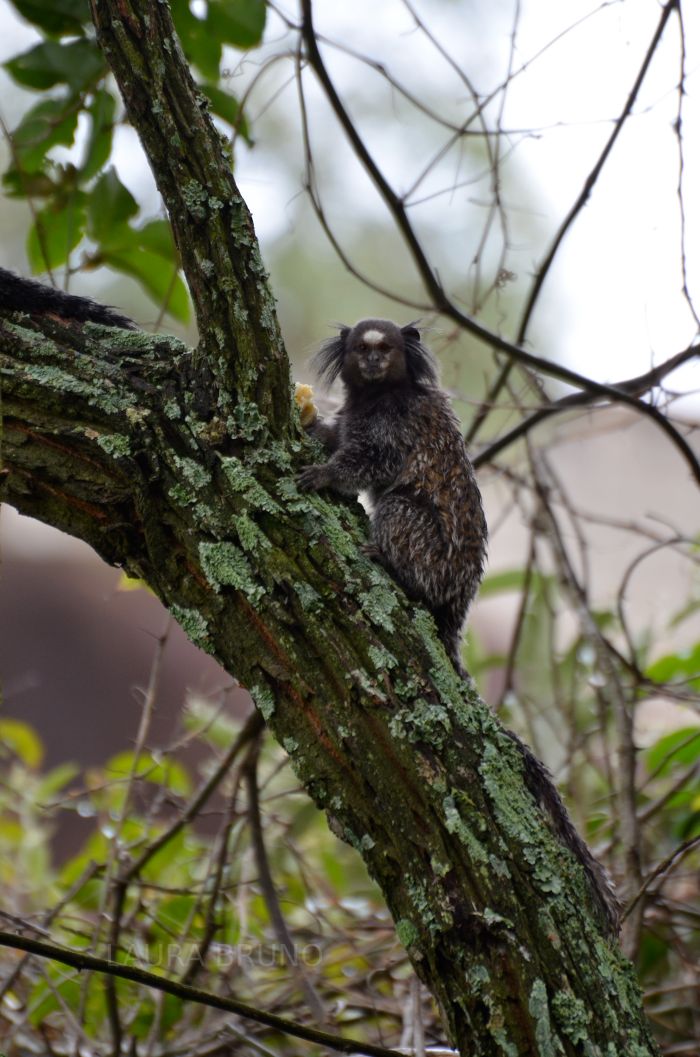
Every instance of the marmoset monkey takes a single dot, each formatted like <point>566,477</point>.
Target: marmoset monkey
<point>397,437</point>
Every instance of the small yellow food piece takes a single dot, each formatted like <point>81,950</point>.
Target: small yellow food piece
<point>304,399</point>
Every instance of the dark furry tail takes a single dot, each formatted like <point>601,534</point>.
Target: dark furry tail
<point>540,783</point>
<point>26,295</point>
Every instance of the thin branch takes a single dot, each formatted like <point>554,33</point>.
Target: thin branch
<point>267,884</point>
<point>670,862</point>
<point>82,961</point>
<point>433,286</point>
<point>631,388</point>
<point>585,193</point>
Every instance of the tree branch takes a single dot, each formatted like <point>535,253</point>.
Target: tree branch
<point>117,970</point>
<point>439,298</point>
<point>636,387</point>
<point>149,453</point>
<point>240,342</point>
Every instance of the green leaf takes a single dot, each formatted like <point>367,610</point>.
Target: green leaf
<point>77,64</point>
<point>211,724</point>
<point>45,999</point>
<point>17,183</point>
<point>226,106</point>
<point>55,17</point>
<point>172,916</point>
<point>57,229</point>
<point>237,22</point>
<point>157,236</point>
<point>682,748</point>
<point>48,124</point>
<point>170,1010</point>
<point>110,205</point>
<point>99,145</point>
<point>170,773</point>
<point>22,740</point>
<point>156,275</point>
<point>508,580</point>
<point>683,666</point>
<point>201,46</point>
<point>55,780</point>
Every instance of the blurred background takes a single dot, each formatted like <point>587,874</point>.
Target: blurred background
<point>487,119</point>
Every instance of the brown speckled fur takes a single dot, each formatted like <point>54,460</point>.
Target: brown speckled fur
<point>397,438</point>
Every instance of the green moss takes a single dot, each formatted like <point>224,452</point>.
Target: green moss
<point>181,495</point>
<point>251,538</point>
<point>172,409</point>
<point>136,416</point>
<point>264,699</point>
<point>539,1011</point>
<point>423,721</point>
<point>439,867</point>
<point>330,526</point>
<point>436,919</point>
<point>243,483</point>
<point>516,814</point>
<point>193,624</point>
<point>381,658</point>
<point>115,444</point>
<point>407,688</point>
<point>407,933</point>
<point>290,745</point>
<point>571,1016</point>
<point>456,825</point>
<point>195,198</point>
<point>246,421</point>
<point>378,604</point>
<point>192,472</point>
<point>225,565</point>
<point>54,378</point>
<point>310,599</point>
<point>277,455</point>
<point>449,685</point>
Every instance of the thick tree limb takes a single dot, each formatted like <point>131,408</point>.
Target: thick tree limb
<point>180,467</point>
<point>108,436</point>
<point>240,338</point>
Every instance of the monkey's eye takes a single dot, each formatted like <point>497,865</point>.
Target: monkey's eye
<point>383,346</point>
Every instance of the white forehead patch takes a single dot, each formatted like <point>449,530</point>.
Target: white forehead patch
<point>373,337</point>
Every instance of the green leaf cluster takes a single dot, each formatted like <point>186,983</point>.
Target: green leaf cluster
<point>83,215</point>
<point>189,911</point>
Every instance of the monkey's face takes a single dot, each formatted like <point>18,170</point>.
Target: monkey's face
<point>374,354</point>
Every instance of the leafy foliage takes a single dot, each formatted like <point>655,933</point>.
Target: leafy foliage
<point>195,909</point>
<point>83,215</point>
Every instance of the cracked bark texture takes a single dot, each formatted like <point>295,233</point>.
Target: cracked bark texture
<point>179,465</point>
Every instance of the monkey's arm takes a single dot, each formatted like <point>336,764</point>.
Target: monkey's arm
<point>26,295</point>
<point>325,432</point>
<point>353,468</point>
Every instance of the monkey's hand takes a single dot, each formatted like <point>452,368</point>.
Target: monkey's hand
<point>315,477</point>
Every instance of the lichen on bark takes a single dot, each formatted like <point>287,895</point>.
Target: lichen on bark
<point>179,465</point>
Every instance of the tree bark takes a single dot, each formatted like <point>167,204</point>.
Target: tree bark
<point>180,466</point>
